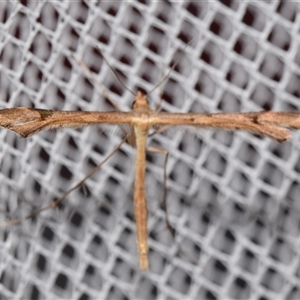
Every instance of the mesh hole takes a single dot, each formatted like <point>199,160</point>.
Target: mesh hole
<point>157,39</point>
<point>272,67</point>
<point>224,241</point>
<point>293,85</point>
<point>246,46</point>
<point>93,278</point>
<point>263,96</point>
<point>103,35</point>
<point>248,261</point>
<point>205,85</point>
<point>10,56</point>
<point>98,249</point>
<point>123,271</point>
<point>116,293</point>
<point>281,251</point>
<point>240,183</point>
<point>221,26</point>
<point>212,55</point>
<point>272,175</point>
<point>215,271</point>
<point>239,289</point>
<point>180,281</point>
<point>272,280</point>
<point>62,285</point>
<point>197,9</point>
<point>288,10</point>
<point>238,76</point>
<point>133,20</point>
<point>147,290</point>
<point>19,27</point>
<point>254,18</point>
<point>280,37</point>
<point>79,12</point>
<point>164,11</point>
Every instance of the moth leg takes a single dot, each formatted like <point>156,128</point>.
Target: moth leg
<point>159,129</point>
<point>164,202</point>
<point>58,201</point>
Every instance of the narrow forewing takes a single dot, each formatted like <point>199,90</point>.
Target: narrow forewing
<point>27,121</point>
<point>271,124</point>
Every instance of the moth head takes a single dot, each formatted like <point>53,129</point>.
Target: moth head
<point>140,101</point>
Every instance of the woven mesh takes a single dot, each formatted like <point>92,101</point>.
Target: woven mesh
<point>232,197</point>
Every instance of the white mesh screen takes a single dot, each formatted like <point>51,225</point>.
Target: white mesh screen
<point>233,198</point>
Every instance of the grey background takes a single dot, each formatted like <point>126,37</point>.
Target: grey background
<point>232,197</point>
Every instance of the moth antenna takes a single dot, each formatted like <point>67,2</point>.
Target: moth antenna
<point>115,73</point>
<point>171,70</point>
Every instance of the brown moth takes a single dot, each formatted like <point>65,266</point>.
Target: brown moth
<point>141,118</point>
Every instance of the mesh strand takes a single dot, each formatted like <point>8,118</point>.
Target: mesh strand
<point>232,197</point>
